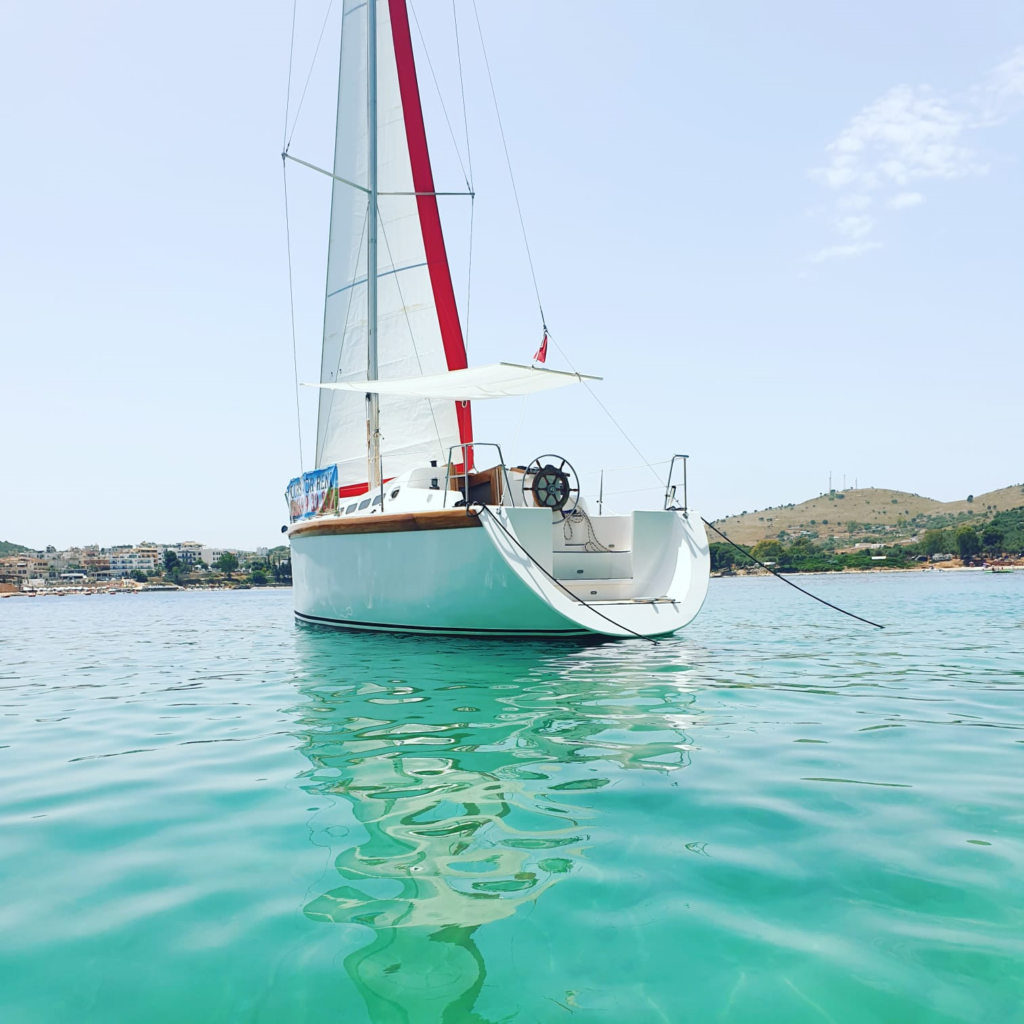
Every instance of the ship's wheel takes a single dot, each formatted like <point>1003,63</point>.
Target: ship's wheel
<point>554,483</point>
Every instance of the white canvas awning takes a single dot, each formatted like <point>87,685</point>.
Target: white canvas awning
<point>500,380</point>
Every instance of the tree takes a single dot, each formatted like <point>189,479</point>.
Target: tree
<point>970,498</point>
<point>258,578</point>
<point>934,541</point>
<point>227,563</point>
<point>170,560</point>
<point>139,576</point>
<point>992,537</point>
<point>967,542</point>
<point>767,550</point>
<point>177,573</point>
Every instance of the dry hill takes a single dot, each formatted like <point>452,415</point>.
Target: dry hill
<point>867,513</point>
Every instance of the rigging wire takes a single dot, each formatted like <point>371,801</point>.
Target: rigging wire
<point>412,335</point>
<point>345,327</point>
<point>462,91</point>
<point>779,576</point>
<point>288,233</point>
<point>291,305</point>
<point>437,87</point>
<point>529,257</point>
<point>618,426</point>
<point>469,274</point>
<point>312,64</point>
<point>469,161</point>
<point>508,163</point>
<point>291,62</point>
<point>623,469</point>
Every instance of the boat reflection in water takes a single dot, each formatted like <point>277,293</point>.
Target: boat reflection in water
<point>462,779</point>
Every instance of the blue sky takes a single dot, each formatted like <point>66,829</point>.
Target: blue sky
<point>788,236</point>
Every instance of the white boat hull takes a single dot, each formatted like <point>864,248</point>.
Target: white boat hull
<point>484,574</point>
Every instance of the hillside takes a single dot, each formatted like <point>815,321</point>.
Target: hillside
<point>8,548</point>
<point>866,514</point>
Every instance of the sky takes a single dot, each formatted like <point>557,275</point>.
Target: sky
<point>788,237</point>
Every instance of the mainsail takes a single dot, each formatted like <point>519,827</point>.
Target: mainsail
<point>418,322</point>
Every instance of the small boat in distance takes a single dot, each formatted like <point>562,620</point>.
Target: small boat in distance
<point>409,522</point>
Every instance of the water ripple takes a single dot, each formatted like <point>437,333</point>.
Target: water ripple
<point>211,813</point>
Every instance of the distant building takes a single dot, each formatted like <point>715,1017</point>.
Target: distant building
<point>189,551</point>
<point>18,569</point>
<point>125,561</point>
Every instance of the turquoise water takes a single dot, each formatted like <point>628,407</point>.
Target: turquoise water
<point>210,813</point>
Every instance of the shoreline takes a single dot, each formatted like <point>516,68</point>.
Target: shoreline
<point>117,591</point>
<point>1013,567</point>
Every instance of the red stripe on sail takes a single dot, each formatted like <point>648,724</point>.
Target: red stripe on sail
<point>430,217</point>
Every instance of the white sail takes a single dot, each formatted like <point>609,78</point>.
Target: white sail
<point>418,324</point>
<point>500,380</point>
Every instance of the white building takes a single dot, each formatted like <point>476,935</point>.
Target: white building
<point>125,561</point>
<point>188,551</point>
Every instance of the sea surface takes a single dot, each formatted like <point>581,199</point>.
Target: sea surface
<point>211,813</point>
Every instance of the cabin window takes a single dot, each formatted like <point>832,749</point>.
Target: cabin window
<point>394,493</point>
<point>364,503</point>
<point>351,508</point>
<point>377,500</point>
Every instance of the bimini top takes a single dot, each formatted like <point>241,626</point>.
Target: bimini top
<point>500,380</point>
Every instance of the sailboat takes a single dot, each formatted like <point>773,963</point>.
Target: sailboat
<point>409,522</point>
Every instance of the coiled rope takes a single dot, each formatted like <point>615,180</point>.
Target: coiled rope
<point>578,517</point>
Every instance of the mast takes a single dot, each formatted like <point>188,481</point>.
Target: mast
<point>389,304</point>
<point>372,400</point>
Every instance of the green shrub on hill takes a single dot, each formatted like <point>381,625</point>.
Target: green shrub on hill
<point>1011,525</point>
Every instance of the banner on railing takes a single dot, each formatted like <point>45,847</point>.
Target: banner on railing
<point>313,493</point>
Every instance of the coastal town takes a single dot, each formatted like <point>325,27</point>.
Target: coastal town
<point>132,568</point>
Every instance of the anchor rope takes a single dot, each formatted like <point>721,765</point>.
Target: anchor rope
<point>779,576</point>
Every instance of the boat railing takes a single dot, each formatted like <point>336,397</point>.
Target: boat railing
<point>468,451</point>
<point>670,488</point>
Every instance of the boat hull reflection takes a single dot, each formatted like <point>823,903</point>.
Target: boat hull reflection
<point>463,784</point>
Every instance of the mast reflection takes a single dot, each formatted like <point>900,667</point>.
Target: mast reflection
<point>462,777</point>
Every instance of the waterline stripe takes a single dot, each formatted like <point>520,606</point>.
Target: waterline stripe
<point>462,630</point>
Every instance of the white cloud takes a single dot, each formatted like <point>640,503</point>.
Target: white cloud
<point>905,199</point>
<point>854,202</point>
<point>854,227</point>
<point>837,251</point>
<point>1007,79</point>
<point>910,134</point>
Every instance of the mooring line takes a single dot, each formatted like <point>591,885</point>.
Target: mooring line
<point>779,576</point>
<point>558,583</point>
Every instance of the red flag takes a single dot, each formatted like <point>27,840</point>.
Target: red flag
<point>541,355</point>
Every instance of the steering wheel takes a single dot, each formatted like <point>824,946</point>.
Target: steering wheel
<point>554,486</point>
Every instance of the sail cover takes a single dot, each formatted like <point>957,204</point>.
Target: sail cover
<point>418,323</point>
<point>500,380</point>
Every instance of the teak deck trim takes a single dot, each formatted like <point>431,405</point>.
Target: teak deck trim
<point>401,522</point>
